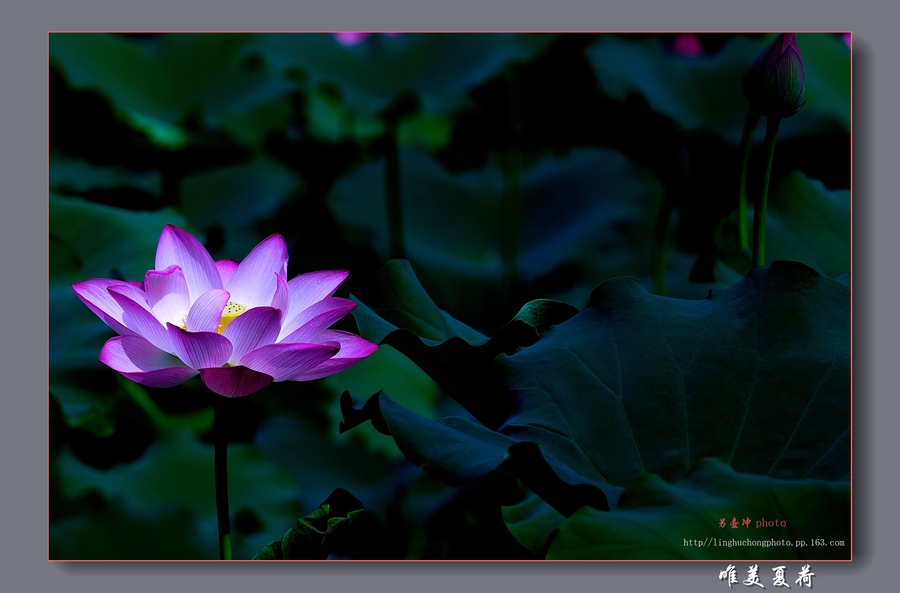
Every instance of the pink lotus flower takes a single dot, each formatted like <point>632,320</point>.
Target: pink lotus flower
<point>240,326</point>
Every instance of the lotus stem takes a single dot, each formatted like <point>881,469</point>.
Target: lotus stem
<point>511,205</point>
<point>759,211</point>
<point>393,196</point>
<point>511,220</point>
<point>221,465</point>
<point>658,245</point>
<point>746,143</point>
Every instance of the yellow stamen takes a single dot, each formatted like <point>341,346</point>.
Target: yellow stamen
<point>231,312</point>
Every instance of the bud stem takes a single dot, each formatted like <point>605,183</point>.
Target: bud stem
<point>746,143</point>
<point>221,473</point>
<point>759,211</point>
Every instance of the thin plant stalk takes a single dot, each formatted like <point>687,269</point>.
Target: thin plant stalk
<point>658,244</point>
<point>759,210</point>
<point>512,209</point>
<point>746,144</point>
<point>511,205</point>
<point>393,196</point>
<point>221,465</point>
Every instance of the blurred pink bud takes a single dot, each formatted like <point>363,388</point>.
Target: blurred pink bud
<point>687,45</point>
<point>351,38</point>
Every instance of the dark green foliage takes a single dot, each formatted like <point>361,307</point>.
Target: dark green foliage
<point>453,354</point>
<point>810,520</point>
<point>757,374</point>
<point>533,399</point>
<point>313,537</point>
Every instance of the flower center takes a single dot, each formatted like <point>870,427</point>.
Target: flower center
<point>231,312</point>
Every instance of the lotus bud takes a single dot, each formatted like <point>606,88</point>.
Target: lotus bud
<point>775,84</point>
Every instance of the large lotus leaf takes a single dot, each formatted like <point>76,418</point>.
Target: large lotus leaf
<point>788,520</point>
<point>101,238</point>
<point>533,523</point>
<point>312,537</point>
<point>592,209</point>
<point>440,69</point>
<point>807,222</point>
<point>399,301</point>
<point>385,369</point>
<point>77,176</point>
<point>705,92</point>
<point>459,451</point>
<point>168,75</point>
<point>400,313</point>
<point>757,373</point>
